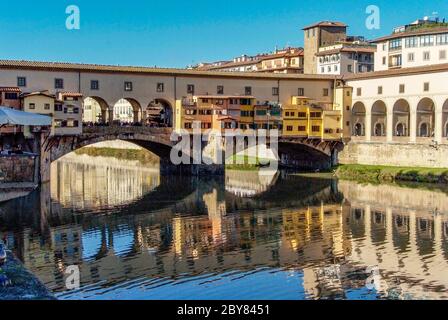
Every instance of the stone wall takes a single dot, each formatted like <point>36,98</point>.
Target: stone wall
<point>19,168</point>
<point>395,154</point>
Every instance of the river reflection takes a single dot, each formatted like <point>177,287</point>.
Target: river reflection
<point>136,235</point>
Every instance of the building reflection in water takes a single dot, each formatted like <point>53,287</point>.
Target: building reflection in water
<point>314,241</point>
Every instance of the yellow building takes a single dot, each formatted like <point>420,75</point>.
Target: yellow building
<point>296,116</point>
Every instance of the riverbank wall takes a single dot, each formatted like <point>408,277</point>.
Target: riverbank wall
<point>395,154</point>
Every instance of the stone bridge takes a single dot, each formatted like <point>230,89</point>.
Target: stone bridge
<point>293,152</point>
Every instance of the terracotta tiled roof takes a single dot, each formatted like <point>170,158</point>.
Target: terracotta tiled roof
<point>326,24</point>
<point>10,89</point>
<point>71,94</point>
<point>93,68</point>
<point>37,93</point>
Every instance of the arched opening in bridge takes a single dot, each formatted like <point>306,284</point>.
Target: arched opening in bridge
<point>359,119</point>
<point>425,118</point>
<point>401,114</point>
<point>95,110</point>
<point>303,157</point>
<point>159,113</point>
<point>104,174</point>
<point>379,119</point>
<point>445,118</point>
<point>127,111</point>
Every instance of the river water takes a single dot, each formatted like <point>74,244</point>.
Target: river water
<point>250,235</point>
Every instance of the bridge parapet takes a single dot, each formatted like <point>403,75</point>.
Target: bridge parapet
<point>117,130</point>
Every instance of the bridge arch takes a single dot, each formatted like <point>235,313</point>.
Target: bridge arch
<point>358,119</point>
<point>379,118</point>
<point>95,110</point>
<point>445,118</point>
<point>127,110</point>
<point>401,118</point>
<point>160,112</point>
<point>425,118</point>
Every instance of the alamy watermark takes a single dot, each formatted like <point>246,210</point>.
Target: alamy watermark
<point>73,278</point>
<point>373,21</point>
<point>229,146</point>
<point>73,20</point>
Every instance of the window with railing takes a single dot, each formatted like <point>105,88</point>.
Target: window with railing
<point>395,44</point>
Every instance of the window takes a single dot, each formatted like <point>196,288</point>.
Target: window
<point>349,68</point>
<point>322,70</point>
<point>58,107</point>
<point>190,112</point>
<point>301,92</point>
<point>11,96</point>
<point>94,85</point>
<point>326,92</point>
<point>21,81</point>
<point>426,86</point>
<point>442,38</point>
<point>190,88</point>
<point>47,106</point>
<point>395,44</point>
<point>32,106</point>
<point>248,91</point>
<point>128,86</point>
<point>411,57</point>
<point>402,88</point>
<point>426,56</point>
<point>315,128</point>
<point>59,83</point>
<point>160,87</point>
<point>220,89</point>
<point>301,128</point>
<point>301,114</point>
<point>442,54</point>
<point>427,41</point>
<point>384,61</point>
<point>358,92</point>
<point>288,128</point>
<point>275,91</point>
<point>411,42</point>
<point>380,90</point>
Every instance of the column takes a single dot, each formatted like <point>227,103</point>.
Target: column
<point>390,126</point>
<point>136,116</point>
<point>413,126</point>
<point>110,118</point>
<point>368,126</point>
<point>438,126</point>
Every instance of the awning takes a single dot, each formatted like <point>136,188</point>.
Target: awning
<point>10,116</point>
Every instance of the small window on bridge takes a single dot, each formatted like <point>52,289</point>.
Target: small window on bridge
<point>94,85</point>
<point>128,86</point>
<point>160,87</point>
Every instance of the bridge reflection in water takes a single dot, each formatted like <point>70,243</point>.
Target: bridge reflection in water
<point>136,235</point>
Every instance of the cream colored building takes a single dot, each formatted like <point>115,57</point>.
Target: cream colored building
<point>345,59</point>
<point>65,108</point>
<point>421,43</point>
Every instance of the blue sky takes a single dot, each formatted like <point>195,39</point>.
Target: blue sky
<point>175,33</point>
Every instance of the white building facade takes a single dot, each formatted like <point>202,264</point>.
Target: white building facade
<point>413,46</point>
